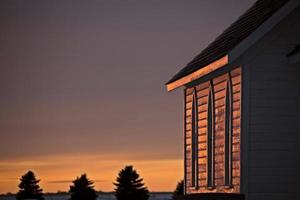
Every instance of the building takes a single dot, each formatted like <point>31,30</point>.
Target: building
<point>242,108</point>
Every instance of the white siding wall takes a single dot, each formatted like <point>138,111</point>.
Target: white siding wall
<point>273,113</point>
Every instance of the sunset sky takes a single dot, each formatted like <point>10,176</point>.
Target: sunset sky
<point>82,87</point>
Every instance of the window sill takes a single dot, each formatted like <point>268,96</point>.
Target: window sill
<point>228,186</point>
<point>210,187</point>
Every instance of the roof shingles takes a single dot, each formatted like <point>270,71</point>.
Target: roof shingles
<point>232,36</point>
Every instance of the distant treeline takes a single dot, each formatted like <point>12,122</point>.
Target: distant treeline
<point>128,186</point>
<point>11,194</point>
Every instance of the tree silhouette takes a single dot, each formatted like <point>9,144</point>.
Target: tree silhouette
<point>179,190</point>
<point>130,186</point>
<point>82,189</point>
<point>29,188</point>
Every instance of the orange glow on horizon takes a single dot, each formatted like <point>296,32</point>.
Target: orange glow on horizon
<point>56,173</point>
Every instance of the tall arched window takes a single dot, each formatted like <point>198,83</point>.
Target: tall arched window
<point>228,134</point>
<point>210,138</point>
<point>194,140</point>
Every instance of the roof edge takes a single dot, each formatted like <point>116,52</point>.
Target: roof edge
<point>294,56</point>
<point>198,73</point>
<point>264,28</point>
<point>238,50</point>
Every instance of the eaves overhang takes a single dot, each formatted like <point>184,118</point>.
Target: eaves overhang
<point>198,73</point>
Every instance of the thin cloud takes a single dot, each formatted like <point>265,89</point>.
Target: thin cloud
<point>9,179</point>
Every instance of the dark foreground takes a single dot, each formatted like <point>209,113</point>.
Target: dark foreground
<point>153,196</point>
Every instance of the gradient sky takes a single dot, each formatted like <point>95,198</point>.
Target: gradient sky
<point>82,86</point>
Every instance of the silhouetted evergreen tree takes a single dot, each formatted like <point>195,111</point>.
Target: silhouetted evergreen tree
<point>130,186</point>
<point>179,190</point>
<point>29,188</point>
<point>82,189</point>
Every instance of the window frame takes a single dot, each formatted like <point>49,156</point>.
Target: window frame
<point>195,143</point>
<point>210,138</point>
<point>228,134</point>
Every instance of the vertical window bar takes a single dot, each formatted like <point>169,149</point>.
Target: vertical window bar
<point>194,140</point>
<point>228,134</point>
<point>210,139</point>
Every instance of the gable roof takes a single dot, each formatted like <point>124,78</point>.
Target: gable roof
<point>232,36</point>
